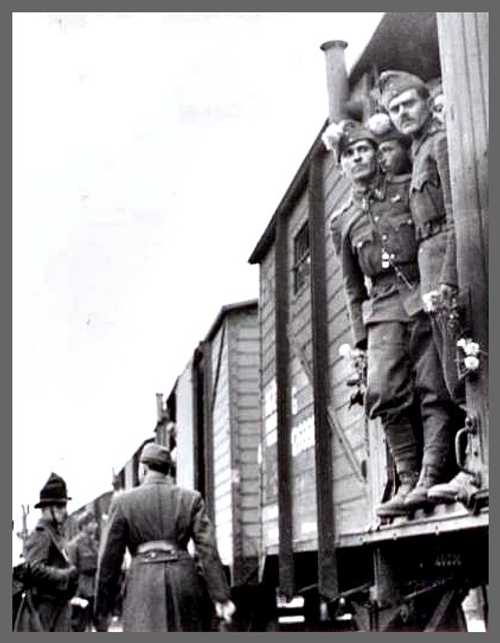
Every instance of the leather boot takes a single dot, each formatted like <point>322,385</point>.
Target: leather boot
<point>461,488</point>
<point>396,505</point>
<point>430,475</point>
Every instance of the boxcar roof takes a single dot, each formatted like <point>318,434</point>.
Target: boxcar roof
<point>250,303</point>
<point>407,41</point>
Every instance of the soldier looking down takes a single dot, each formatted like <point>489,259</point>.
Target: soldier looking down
<point>374,239</point>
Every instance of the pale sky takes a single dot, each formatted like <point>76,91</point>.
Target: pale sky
<point>150,151</point>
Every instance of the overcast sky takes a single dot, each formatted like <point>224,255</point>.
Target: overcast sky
<point>150,151</point>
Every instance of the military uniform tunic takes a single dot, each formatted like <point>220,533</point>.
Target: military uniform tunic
<point>431,208</point>
<point>374,237</point>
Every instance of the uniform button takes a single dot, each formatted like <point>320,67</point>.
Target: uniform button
<point>384,237</point>
<point>392,255</point>
<point>376,217</point>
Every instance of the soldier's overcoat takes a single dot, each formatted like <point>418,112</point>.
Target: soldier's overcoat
<point>163,593</point>
<point>46,606</point>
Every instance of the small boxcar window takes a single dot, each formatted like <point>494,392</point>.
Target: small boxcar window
<point>301,258</point>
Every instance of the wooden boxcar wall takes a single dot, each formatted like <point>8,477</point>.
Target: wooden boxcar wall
<point>185,429</point>
<point>269,457</point>
<point>236,435</point>
<point>464,52</point>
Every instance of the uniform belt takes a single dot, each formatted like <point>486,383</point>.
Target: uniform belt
<point>158,545</point>
<point>409,271</point>
<point>428,229</point>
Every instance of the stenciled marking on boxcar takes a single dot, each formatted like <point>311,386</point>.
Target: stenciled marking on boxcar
<point>303,436</point>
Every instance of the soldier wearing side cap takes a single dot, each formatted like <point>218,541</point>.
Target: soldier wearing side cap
<point>393,150</point>
<point>374,239</point>
<point>52,579</point>
<point>408,102</point>
<point>83,552</point>
<point>155,522</point>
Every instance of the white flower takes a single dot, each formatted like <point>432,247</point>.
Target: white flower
<point>379,124</point>
<point>430,300</point>
<point>471,363</point>
<point>332,135</point>
<point>472,348</point>
<point>462,343</point>
<point>345,351</point>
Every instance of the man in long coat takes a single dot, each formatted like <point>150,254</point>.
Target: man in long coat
<point>155,521</point>
<point>52,579</point>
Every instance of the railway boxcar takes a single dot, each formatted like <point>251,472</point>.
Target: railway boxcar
<point>324,466</point>
<point>216,408</point>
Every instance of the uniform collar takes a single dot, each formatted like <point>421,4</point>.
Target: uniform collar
<point>431,126</point>
<point>375,190</point>
<point>155,477</point>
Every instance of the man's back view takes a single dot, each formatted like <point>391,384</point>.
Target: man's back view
<point>156,521</point>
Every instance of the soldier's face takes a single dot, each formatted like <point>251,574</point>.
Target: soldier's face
<point>409,111</point>
<point>359,161</point>
<point>438,108</point>
<point>392,157</point>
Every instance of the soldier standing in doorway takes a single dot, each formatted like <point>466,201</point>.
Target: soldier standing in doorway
<point>409,104</point>
<point>374,238</point>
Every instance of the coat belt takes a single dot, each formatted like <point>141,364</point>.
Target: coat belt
<point>158,545</point>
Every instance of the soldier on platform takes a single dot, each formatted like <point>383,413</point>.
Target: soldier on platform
<point>393,147</point>
<point>155,522</point>
<point>83,553</point>
<point>409,104</point>
<point>53,580</point>
<point>374,238</point>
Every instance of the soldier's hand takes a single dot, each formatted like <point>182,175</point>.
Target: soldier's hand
<point>225,610</point>
<point>447,293</point>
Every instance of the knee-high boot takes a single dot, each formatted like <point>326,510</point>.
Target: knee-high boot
<point>401,439</point>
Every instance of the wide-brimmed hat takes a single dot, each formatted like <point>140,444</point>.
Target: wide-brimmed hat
<point>53,492</point>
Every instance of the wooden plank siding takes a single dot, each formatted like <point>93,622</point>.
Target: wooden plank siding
<point>185,429</point>
<point>244,360</point>
<point>222,465</point>
<point>464,49</point>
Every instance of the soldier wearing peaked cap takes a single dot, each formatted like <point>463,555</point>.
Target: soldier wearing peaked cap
<point>374,238</point>
<point>155,522</point>
<point>53,580</point>
<point>407,100</point>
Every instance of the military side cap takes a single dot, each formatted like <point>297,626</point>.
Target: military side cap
<point>338,136</point>
<point>435,87</point>
<point>53,492</point>
<point>392,83</point>
<point>156,454</point>
<point>84,518</point>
